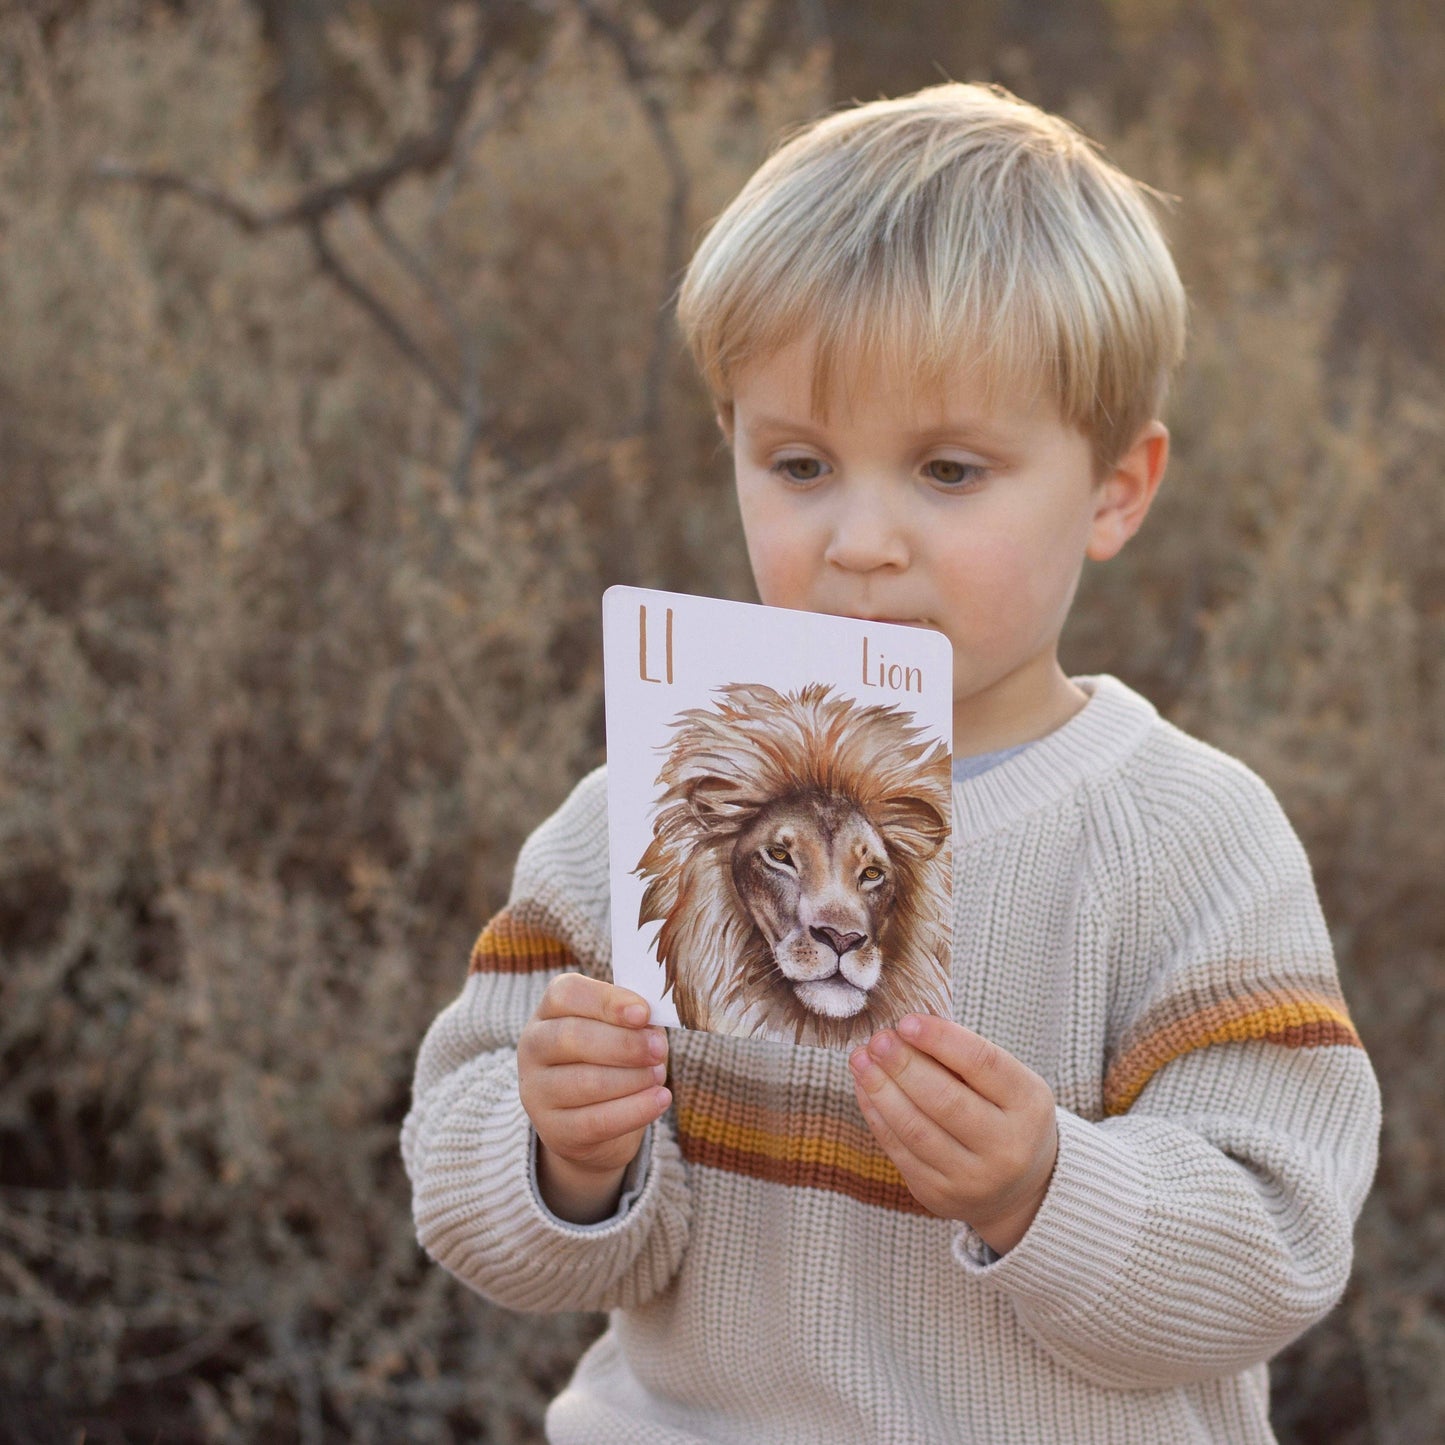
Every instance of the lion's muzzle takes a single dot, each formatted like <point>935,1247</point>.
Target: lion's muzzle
<point>840,943</point>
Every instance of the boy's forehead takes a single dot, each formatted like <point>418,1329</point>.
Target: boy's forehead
<point>781,390</point>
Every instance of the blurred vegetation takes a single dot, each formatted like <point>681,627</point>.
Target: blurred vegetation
<point>338,382</point>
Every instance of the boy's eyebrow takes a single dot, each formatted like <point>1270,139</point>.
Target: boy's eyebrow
<point>780,423</point>
<point>978,429</point>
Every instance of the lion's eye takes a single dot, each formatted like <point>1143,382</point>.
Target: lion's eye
<point>779,855</point>
<point>871,874</point>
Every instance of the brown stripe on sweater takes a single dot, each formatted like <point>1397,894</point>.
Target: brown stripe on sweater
<point>815,1175</point>
<point>741,1104</point>
<point>730,1128</point>
<point>1295,1018</point>
<point>522,938</point>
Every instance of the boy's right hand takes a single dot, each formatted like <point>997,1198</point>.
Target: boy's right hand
<point>591,1073</point>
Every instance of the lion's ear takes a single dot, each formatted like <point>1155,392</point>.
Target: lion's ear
<point>913,827</point>
<point>715,803</point>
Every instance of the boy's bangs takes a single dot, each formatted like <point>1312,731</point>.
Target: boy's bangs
<point>926,350</point>
<point>868,327</point>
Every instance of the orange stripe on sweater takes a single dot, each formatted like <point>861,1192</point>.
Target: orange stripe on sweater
<point>798,1147</point>
<point>514,942</point>
<point>1293,1018</point>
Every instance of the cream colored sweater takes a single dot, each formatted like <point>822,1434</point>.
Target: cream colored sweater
<point>1135,920</point>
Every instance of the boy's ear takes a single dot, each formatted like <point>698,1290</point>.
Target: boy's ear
<point>724,416</point>
<point>1126,491</point>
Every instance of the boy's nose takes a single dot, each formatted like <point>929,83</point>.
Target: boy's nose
<point>866,536</point>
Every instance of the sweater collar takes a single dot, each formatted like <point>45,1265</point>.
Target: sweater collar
<point>1093,742</point>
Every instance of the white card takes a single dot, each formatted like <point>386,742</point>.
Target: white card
<point>779,792</point>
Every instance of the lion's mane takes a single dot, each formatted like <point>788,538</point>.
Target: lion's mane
<point>752,748</point>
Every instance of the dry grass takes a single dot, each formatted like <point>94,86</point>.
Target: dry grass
<point>279,698</point>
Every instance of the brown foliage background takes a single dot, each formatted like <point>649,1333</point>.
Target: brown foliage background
<point>301,625</point>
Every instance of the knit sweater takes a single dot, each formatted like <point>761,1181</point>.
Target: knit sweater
<point>1135,920</point>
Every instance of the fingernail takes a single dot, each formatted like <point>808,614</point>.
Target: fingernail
<point>663,1098</point>
<point>859,1061</point>
<point>910,1026</point>
<point>659,1073</point>
<point>635,1014</point>
<point>657,1045</point>
<point>882,1046</point>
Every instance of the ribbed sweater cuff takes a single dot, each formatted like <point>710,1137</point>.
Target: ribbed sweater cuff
<point>1083,1235</point>
<point>535,1261</point>
<point>632,1180</point>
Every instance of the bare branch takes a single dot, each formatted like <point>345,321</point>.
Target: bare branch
<point>368,189</point>
<point>184,1358</point>
<point>638,75</point>
<point>170,183</point>
<point>474,421</point>
<point>420,272</point>
<point>813,20</point>
<point>368,186</point>
<point>513,93</point>
<point>383,316</point>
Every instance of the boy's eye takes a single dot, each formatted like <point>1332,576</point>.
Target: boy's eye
<point>949,473</point>
<point>810,468</point>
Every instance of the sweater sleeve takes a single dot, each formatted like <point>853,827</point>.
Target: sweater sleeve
<point>467,1142</point>
<point>1207,1219</point>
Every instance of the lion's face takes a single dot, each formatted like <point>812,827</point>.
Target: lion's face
<point>797,867</point>
<point>816,878</point>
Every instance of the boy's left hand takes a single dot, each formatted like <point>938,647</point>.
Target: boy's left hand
<point>970,1128</point>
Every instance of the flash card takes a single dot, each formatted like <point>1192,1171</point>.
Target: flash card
<point>780,816</point>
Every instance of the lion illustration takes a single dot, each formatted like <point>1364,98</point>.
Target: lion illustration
<point>797,867</point>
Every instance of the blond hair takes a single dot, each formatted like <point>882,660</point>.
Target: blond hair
<point>955,227</point>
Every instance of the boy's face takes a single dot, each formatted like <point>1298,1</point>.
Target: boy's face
<point>972,521</point>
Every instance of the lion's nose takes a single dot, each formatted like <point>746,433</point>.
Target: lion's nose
<point>840,943</point>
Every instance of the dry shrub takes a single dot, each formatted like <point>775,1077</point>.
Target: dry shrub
<point>281,694</point>
<point>279,700</point>
<point>1294,614</point>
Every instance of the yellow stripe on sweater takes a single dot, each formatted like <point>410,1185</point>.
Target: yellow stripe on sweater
<point>1292,1018</point>
<point>520,940</point>
<point>788,1148</point>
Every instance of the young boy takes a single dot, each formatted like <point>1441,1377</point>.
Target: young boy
<point>1091,1205</point>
